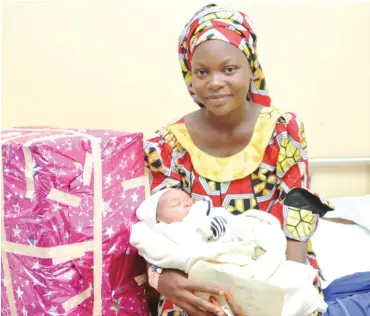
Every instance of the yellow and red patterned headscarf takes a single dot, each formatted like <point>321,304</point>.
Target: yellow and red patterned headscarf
<point>229,25</point>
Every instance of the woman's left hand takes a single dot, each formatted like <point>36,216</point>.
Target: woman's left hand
<point>234,307</point>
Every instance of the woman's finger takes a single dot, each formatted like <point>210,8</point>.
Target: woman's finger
<point>196,286</point>
<point>211,308</point>
<point>202,304</point>
<point>199,312</point>
<point>213,300</point>
<point>235,308</point>
<point>192,311</point>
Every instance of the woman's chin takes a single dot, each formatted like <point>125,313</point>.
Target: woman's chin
<point>220,110</point>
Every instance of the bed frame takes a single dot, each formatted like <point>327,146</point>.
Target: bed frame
<point>340,162</point>
<point>332,162</point>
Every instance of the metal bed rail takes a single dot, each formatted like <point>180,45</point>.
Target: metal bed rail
<point>340,161</point>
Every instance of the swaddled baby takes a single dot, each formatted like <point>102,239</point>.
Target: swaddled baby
<point>243,254</point>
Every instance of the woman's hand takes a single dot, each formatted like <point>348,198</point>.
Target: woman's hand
<point>234,307</point>
<point>175,286</point>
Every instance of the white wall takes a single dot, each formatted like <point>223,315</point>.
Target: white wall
<point>113,64</point>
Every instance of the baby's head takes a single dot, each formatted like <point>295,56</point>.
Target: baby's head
<point>167,206</point>
<point>173,206</point>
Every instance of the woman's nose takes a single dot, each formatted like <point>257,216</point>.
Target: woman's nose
<point>216,82</point>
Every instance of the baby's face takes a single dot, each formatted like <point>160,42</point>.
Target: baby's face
<point>173,206</point>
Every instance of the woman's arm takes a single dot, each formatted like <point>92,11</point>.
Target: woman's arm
<point>296,250</point>
<point>297,208</point>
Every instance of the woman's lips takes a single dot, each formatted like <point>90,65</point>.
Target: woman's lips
<point>218,99</point>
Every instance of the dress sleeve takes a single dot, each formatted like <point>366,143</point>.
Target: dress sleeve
<point>297,209</point>
<point>160,159</point>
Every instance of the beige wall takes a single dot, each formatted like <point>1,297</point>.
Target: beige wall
<point>111,64</point>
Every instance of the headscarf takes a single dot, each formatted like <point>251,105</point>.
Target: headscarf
<point>227,24</point>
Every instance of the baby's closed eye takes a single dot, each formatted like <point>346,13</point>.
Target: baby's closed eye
<point>175,203</point>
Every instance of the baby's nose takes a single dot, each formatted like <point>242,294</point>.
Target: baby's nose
<point>190,202</point>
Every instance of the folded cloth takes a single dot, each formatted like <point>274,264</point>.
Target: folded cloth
<point>349,295</point>
<point>357,283</point>
<point>301,297</point>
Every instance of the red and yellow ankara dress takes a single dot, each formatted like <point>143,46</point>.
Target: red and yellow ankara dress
<point>270,174</point>
<point>259,177</point>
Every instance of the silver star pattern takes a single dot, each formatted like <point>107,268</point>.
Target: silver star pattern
<point>16,232</point>
<point>109,232</point>
<point>112,224</point>
<point>134,197</point>
<point>67,145</point>
<point>107,180</point>
<point>19,292</point>
<point>24,311</point>
<point>36,266</point>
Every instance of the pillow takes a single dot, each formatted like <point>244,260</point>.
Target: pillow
<point>356,209</point>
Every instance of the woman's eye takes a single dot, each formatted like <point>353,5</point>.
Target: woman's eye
<point>200,72</point>
<point>230,70</point>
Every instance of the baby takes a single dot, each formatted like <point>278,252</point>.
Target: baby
<point>209,223</point>
<point>173,206</point>
<point>241,254</point>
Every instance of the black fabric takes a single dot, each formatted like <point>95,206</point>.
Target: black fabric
<point>209,207</point>
<point>304,199</point>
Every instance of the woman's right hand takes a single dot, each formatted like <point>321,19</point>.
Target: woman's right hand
<point>234,306</point>
<point>175,286</point>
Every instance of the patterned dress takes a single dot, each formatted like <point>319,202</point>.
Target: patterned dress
<point>258,177</point>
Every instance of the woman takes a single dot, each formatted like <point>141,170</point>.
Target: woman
<point>235,149</point>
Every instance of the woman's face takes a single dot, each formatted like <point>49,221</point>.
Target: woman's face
<point>221,76</point>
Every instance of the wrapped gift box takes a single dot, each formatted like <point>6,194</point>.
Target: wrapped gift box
<point>69,200</point>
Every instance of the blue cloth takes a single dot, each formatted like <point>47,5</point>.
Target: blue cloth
<point>349,296</point>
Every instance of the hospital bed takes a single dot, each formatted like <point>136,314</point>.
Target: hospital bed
<point>343,249</point>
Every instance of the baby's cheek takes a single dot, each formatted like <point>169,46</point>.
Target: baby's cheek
<point>165,216</point>
<point>179,215</point>
<point>170,216</point>
<point>175,214</point>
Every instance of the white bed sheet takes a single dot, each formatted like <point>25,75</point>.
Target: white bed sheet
<point>344,249</point>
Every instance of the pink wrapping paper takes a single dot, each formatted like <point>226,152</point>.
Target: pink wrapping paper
<point>56,260</point>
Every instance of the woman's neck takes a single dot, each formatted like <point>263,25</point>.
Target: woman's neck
<point>231,120</point>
